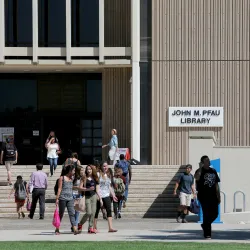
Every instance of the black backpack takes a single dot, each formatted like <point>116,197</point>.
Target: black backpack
<point>10,151</point>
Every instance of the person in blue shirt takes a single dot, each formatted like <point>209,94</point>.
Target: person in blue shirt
<point>113,145</point>
<point>185,184</point>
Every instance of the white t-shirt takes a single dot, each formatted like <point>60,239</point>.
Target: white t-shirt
<point>52,148</point>
<point>104,186</point>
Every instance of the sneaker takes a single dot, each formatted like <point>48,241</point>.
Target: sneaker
<point>178,219</point>
<point>184,221</point>
<point>79,227</point>
<point>124,204</point>
<point>30,217</point>
<point>119,216</point>
<point>208,238</point>
<point>92,231</point>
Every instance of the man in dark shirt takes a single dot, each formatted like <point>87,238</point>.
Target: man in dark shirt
<point>207,186</point>
<point>9,156</point>
<point>185,184</point>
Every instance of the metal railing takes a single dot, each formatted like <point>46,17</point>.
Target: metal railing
<point>224,195</point>
<point>244,200</point>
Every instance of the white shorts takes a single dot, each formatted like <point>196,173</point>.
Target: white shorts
<point>185,199</point>
<point>8,165</point>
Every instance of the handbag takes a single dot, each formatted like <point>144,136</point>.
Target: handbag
<point>56,219</point>
<point>28,205</point>
<point>194,206</point>
<point>79,204</point>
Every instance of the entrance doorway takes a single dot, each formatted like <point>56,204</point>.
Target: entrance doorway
<point>67,130</point>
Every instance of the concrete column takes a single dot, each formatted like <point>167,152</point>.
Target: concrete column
<point>135,44</point>
<point>101,31</point>
<point>35,30</point>
<point>68,31</point>
<point>2,31</point>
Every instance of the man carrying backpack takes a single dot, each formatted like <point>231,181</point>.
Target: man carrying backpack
<point>9,155</point>
<point>185,184</point>
<point>119,189</point>
<point>127,173</point>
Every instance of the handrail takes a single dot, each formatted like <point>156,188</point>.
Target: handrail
<point>244,200</point>
<point>224,195</point>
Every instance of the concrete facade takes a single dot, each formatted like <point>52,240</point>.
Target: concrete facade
<point>200,58</point>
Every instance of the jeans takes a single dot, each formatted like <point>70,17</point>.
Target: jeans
<point>77,213</point>
<point>71,211</point>
<point>90,210</point>
<point>38,194</point>
<point>53,164</point>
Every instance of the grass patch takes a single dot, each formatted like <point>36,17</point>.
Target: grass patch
<point>137,245</point>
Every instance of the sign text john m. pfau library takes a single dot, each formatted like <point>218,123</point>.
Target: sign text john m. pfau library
<point>195,117</point>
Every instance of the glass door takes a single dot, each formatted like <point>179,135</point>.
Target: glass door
<point>91,141</point>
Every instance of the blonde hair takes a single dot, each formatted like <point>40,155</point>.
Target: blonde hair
<point>114,130</point>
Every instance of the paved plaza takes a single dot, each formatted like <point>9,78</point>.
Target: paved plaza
<point>128,230</point>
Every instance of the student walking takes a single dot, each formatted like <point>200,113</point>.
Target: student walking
<point>105,191</point>
<point>113,147</point>
<point>65,197</point>
<point>38,184</point>
<point>21,193</point>
<point>185,184</point>
<point>207,184</point>
<point>119,189</point>
<point>9,156</point>
<point>52,154</point>
<point>91,196</point>
<point>127,173</point>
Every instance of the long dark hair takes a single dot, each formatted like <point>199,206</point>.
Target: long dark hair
<point>78,173</point>
<point>67,169</point>
<point>19,181</point>
<point>94,173</point>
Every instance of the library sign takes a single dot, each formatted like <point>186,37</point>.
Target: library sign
<point>195,117</point>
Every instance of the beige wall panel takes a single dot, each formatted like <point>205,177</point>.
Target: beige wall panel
<point>201,29</point>
<point>116,103</point>
<point>117,23</point>
<point>215,83</point>
<point>200,51</point>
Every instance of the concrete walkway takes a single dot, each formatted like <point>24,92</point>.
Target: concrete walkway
<point>128,230</point>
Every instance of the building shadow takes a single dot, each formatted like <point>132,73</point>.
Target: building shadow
<point>165,204</point>
<point>190,235</point>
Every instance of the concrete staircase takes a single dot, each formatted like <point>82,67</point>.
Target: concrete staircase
<point>150,192</point>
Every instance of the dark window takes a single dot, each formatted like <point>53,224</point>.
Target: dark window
<point>18,23</point>
<point>52,23</point>
<point>94,96</point>
<point>85,23</point>
<point>18,95</point>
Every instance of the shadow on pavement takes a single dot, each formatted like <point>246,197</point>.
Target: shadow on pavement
<point>240,235</point>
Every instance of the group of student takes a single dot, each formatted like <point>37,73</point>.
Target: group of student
<point>99,186</point>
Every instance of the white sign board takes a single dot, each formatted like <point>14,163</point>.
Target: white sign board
<point>35,132</point>
<point>6,130</point>
<point>195,117</point>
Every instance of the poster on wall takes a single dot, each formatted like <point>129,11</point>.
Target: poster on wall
<point>6,132</point>
<point>195,117</point>
<point>8,136</point>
